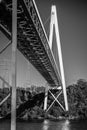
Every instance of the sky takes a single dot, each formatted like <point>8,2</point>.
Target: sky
<point>72,21</point>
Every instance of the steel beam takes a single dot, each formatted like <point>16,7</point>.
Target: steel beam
<point>32,35</point>
<point>54,101</point>
<point>5,99</point>
<point>46,97</point>
<point>14,48</point>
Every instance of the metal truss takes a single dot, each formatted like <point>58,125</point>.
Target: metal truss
<point>32,40</point>
<point>5,82</point>
<point>48,90</point>
<point>25,29</point>
<point>5,99</point>
<point>55,100</point>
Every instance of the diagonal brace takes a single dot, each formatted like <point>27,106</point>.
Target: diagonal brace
<point>55,99</point>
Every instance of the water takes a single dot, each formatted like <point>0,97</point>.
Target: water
<point>47,125</point>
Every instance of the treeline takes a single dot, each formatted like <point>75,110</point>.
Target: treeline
<point>77,101</point>
<point>77,98</point>
<point>23,96</point>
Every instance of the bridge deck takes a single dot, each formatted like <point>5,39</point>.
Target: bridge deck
<point>32,39</point>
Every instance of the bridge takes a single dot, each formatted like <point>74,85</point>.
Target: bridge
<point>22,25</point>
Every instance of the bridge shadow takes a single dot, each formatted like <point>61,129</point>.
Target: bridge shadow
<point>27,105</point>
<point>30,103</point>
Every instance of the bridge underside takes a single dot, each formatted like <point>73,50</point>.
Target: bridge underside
<point>32,39</point>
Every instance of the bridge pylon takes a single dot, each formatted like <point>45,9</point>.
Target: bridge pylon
<point>46,97</point>
<point>54,25</point>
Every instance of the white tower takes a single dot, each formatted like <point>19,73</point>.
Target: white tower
<point>54,26</point>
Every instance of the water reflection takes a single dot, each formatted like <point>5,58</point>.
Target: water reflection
<point>45,125</point>
<point>66,125</point>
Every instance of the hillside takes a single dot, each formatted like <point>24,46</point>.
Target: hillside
<point>77,99</point>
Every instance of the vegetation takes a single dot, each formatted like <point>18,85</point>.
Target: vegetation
<point>77,99</point>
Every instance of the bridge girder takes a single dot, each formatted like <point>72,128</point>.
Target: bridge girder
<point>32,40</point>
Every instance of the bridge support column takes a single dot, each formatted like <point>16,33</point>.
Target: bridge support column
<point>46,98</point>
<point>55,100</point>
<point>14,48</point>
<point>54,24</point>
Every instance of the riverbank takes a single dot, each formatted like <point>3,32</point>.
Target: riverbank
<point>30,103</point>
<point>48,117</point>
<point>51,118</point>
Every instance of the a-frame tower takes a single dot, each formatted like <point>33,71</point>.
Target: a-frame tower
<point>54,27</point>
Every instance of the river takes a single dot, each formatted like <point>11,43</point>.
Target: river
<point>47,125</point>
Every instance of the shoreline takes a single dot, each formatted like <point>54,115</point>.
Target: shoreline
<point>50,117</point>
